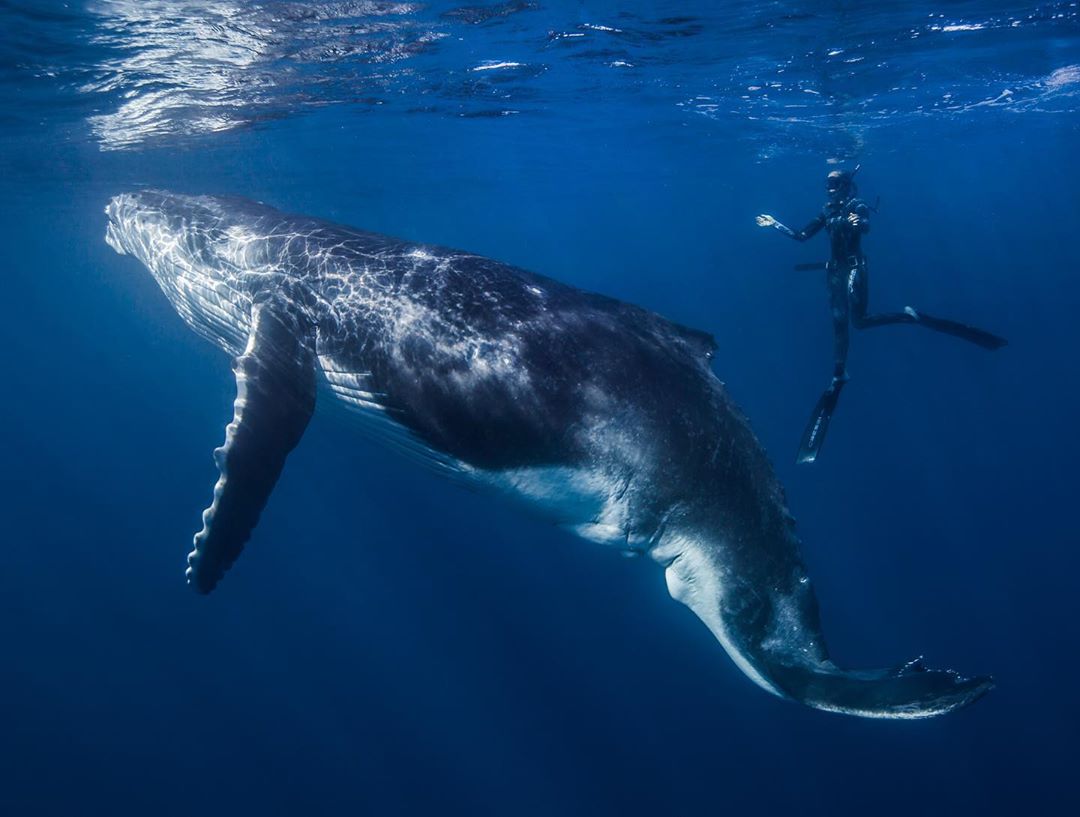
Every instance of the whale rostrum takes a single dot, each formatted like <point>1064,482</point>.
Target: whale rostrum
<point>602,415</point>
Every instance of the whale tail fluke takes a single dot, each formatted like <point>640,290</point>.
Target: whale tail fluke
<point>907,692</point>
<point>774,636</point>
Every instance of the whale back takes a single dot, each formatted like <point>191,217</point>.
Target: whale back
<point>489,363</point>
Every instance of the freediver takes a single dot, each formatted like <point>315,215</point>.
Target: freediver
<point>846,218</point>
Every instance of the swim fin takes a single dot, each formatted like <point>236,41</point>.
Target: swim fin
<point>980,337</point>
<point>814,435</point>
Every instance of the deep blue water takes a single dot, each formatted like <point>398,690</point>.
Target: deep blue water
<point>393,644</point>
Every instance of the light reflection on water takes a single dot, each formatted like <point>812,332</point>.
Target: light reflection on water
<point>135,73</point>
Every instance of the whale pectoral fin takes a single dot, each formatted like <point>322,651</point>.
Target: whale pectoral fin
<point>774,637</point>
<point>275,398</point>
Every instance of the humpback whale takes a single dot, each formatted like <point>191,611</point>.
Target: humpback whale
<point>604,416</point>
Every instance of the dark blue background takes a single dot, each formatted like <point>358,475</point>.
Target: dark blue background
<point>394,644</point>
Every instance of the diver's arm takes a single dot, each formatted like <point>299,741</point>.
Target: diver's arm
<point>806,232</point>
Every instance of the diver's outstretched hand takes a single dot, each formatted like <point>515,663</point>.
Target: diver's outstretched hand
<point>765,220</point>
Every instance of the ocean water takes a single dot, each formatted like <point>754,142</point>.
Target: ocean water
<point>393,644</point>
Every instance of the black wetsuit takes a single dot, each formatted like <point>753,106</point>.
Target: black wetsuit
<point>846,274</point>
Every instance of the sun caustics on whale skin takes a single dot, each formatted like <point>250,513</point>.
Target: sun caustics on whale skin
<point>602,415</point>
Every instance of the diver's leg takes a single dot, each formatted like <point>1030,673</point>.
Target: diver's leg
<point>816,427</point>
<point>860,298</point>
<point>840,305</point>
<point>859,287</point>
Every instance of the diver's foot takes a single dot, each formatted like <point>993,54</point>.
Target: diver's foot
<point>910,311</point>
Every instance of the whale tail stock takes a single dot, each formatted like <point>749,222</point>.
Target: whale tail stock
<point>774,636</point>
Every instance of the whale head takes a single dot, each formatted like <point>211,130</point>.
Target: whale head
<point>199,252</point>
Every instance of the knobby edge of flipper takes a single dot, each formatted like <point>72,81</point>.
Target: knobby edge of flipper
<point>275,399</point>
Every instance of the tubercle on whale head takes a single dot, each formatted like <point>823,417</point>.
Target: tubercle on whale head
<point>205,234</point>
<point>141,221</point>
<point>114,212</point>
<point>140,224</point>
<point>187,243</point>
